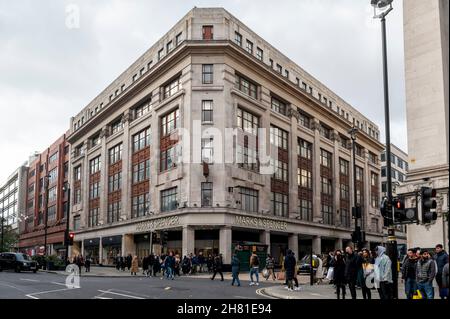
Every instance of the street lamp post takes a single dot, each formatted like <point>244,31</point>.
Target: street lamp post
<point>3,230</point>
<point>66,188</point>
<point>353,132</point>
<point>381,10</point>
<point>47,178</point>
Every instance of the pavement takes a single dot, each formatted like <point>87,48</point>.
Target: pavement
<point>97,284</point>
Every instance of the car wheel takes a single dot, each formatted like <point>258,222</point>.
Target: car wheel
<point>34,271</point>
<point>18,269</point>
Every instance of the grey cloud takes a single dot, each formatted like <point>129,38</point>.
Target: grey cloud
<point>49,72</point>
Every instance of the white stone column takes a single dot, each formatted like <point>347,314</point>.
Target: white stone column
<point>225,244</point>
<point>100,251</point>
<point>188,243</point>
<point>293,165</point>
<point>103,191</point>
<point>338,244</point>
<point>126,168</point>
<point>316,245</point>
<point>265,239</point>
<point>82,248</point>
<point>128,245</point>
<point>293,243</point>
<point>336,181</point>
<point>317,214</point>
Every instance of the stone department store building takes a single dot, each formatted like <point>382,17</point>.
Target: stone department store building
<point>211,69</point>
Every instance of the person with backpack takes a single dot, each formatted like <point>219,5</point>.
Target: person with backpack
<point>254,269</point>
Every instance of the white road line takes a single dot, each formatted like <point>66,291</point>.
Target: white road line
<point>5,284</point>
<point>25,279</point>
<point>118,294</point>
<point>242,297</point>
<point>259,292</point>
<point>98,297</point>
<point>47,292</point>
<point>58,283</point>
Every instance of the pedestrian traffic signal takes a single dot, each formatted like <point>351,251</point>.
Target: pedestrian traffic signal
<point>386,211</point>
<point>428,203</point>
<point>70,238</point>
<point>403,215</point>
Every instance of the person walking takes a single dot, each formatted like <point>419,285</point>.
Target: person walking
<point>383,273</point>
<point>445,280</point>
<point>235,268</point>
<point>254,269</point>
<point>425,274</point>
<point>129,260</point>
<point>145,266</point>
<point>217,267</point>
<point>441,258</point>
<point>169,265</point>
<point>319,270</point>
<point>122,263</point>
<point>339,273</point>
<point>352,266</point>
<point>151,263</point>
<point>118,262</point>
<point>270,266</point>
<point>87,264</point>
<point>408,272</point>
<point>289,266</point>
<point>134,265</point>
<point>330,264</point>
<point>367,274</point>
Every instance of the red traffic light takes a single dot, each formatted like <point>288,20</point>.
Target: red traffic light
<point>71,235</point>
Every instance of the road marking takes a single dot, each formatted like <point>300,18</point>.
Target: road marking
<point>167,288</point>
<point>315,294</point>
<point>25,279</point>
<point>10,286</point>
<point>47,292</point>
<point>98,297</point>
<point>118,294</point>
<point>242,297</point>
<point>58,283</point>
<point>260,292</point>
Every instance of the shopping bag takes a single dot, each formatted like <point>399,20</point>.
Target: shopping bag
<point>265,273</point>
<point>281,275</point>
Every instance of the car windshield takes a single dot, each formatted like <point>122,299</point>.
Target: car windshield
<point>23,257</point>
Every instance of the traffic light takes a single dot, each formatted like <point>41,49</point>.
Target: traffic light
<point>70,238</point>
<point>165,236</point>
<point>386,212</point>
<point>356,235</point>
<point>428,203</point>
<point>356,211</point>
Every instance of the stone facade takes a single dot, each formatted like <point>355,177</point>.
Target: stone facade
<point>426,75</point>
<point>200,60</point>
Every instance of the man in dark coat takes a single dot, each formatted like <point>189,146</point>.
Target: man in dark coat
<point>441,258</point>
<point>129,260</point>
<point>145,265</point>
<point>217,267</point>
<point>151,261</point>
<point>352,265</point>
<point>289,266</point>
<point>339,274</point>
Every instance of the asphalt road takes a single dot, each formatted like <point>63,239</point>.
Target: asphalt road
<point>52,286</point>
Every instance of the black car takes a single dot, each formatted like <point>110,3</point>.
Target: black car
<point>17,261</point>
<point>304,265</point>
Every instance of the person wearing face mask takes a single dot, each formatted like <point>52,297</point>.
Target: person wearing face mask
<point>425,273</point>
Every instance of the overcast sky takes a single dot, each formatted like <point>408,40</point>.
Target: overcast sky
<point>49,72</point>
